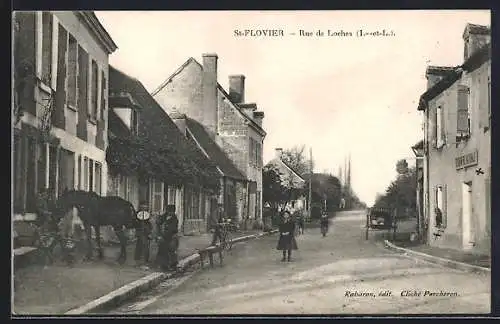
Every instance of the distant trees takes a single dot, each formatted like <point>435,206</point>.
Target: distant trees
<point>401,193</point>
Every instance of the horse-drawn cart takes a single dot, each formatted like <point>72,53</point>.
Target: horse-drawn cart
<point>380,219</point>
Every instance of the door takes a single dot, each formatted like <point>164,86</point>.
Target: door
<point>466,214</point>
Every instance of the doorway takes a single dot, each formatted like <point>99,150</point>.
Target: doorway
<point>466,215</point>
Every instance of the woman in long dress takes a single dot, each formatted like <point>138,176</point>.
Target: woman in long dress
<point>286,242</point>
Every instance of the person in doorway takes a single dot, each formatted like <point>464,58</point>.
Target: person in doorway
<point>439,217</point>
<point>286,242</point>
<point>168,240</point>
<point>143,233</point>
<point>216,220</point>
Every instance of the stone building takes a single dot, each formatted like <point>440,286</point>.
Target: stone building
<point>228,122</point>
<point>457,138</point>
<point>60,105</point>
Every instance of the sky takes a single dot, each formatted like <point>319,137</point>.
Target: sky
<point>338,95</point>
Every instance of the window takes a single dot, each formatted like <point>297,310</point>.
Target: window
<point>93,91</point>
<point>440,203</point>
<point>72,71</point>
<point>79,178</point>
<point>91,175</point>
<point>156,196</point>
<point>66,170</point>
<point>103,94</point>
<point>52,167</point>
<point>85,173</point>
<point>31,176</point>
<point>41,165</point>
<point>98,178</point>
<point>171,195</point>
<point>440,141</point>
<point>463,113</point>
<point>134,123</point>
<point>46,48</point>
<point>250,150</point>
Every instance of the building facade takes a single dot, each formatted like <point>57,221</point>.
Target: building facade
<point>151,162</point>
<point>60,105</point>
<point>235,126</point>
<point>457,146</point>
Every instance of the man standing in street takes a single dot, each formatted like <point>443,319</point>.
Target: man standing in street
<point>143,233</point>
<point>216,220</point>
<point>169,240</point>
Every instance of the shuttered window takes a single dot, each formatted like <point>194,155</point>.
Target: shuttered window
<point>440,132</point>
<point>72,71</point>
<point>103,94</point>
<point>98,178</point>
<point>47,48</point>
<point>463,115</point>
<point>94,89</point>
<point>156,196</point>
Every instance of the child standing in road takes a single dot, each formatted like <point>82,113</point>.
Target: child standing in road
<point>286,240</point>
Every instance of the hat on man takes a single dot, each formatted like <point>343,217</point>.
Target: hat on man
<point>170,209</point>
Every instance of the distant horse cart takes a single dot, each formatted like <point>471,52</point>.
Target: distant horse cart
<point>380,219</point>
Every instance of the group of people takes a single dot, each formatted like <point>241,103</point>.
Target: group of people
<point>168,239</point>
<point>286,240</point>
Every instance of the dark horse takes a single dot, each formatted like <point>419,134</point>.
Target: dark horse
<point>96,211</point>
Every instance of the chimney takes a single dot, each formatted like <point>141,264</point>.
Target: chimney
<point>237,88</point>
<point>434,74</point>
<point>209,87</point>
<point>475,37</point>
<point>258,116</point>
<point>278,152</point>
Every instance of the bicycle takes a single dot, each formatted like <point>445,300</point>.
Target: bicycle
<point>226,241</point>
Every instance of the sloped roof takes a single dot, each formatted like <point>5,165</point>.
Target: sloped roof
<point>213,150</point>
<point>276,160</point>
<point>181,158</point>
<point>179,70</point>
<point>472,63</point>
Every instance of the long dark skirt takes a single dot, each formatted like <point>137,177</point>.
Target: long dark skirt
<point>287,242</point>
<point>167,253</point>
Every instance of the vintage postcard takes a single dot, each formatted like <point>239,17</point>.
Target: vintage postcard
<point>251,162</point>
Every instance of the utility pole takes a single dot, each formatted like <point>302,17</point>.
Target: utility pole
<point>310,181</point>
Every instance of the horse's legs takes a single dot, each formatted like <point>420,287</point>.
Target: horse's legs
<point>123,243</point>
<point>98,240</point>
<point>88,232</point>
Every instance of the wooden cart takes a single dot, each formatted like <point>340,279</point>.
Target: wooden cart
<point>380,219</point>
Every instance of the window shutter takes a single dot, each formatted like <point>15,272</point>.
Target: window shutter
<point>462,111</point>
<point>443,126</point>
<point>444,210</point>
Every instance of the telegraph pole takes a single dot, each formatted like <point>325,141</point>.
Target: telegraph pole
<point>310,181</point>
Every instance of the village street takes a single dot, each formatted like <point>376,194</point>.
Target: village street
<point>322,273</point>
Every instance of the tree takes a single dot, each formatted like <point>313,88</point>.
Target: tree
<point>278,191</point>
<point>401,193</point>
<point>297,159</point>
